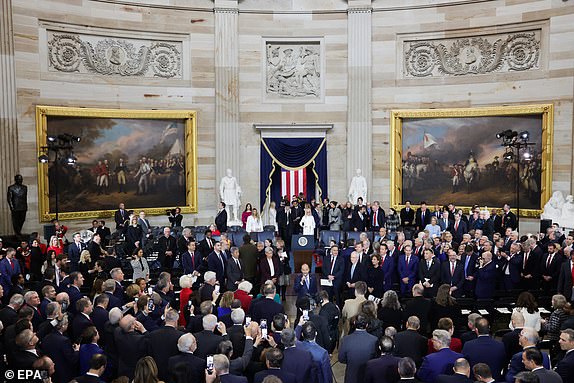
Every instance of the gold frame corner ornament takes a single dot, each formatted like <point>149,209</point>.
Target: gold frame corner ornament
<point>545,110</point>
<point>190,117</point>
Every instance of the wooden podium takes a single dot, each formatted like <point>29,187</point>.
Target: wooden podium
<point>302,247</point>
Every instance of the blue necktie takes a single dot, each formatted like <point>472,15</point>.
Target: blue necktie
<point>352,271</point>
<point>467,260</point>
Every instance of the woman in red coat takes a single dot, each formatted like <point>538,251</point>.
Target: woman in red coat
<point>185,282</point>
<point>242,293</point>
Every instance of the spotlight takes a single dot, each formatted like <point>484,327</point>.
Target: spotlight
<point>51,139</point>
<point>508,156</point>
<point>44,159</point>
<point>527,155</point>
<point>524,135</point>
<point>71,159</point>
<point>506,134</point>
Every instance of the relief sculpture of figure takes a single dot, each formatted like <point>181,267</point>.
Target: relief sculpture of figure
<point>293,71</point>
<point>18,202</point>
<point>553,208</point>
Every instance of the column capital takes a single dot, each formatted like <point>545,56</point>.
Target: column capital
<point>226,6</point>
<point>359,6</point>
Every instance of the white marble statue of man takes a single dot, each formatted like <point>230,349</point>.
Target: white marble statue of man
<point>358,188</point>
<point>553,208</point>
<point>230,191</point>
<point>567,218</point>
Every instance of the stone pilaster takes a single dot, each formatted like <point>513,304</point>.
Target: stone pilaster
<point>227,155</point>
<point>359,122</point>
<point>8,113</point>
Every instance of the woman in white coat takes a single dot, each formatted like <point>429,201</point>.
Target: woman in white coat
<point>254,224</point>
<point>308,223</point>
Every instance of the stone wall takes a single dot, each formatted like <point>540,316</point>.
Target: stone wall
<point>358,48</point>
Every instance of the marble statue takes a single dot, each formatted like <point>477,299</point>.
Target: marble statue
<point>18,202</point>
<point>358,188</point>
<point>230,193</point>
<point>567,217</point>
<point>553,208</point>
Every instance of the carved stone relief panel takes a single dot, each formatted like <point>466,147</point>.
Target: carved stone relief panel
<point>293,70</point>
<point>112,56</point>
<point>472,55</point>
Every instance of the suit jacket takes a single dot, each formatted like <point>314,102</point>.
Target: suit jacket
<point>410,271</point>
<point>86,353</point>
<point>265,270</point>
<point>510,342</point>
<point>485,349</point>
<point>444,225</point>
<point>361,223</point>
<point>302,289</point>
<point>75,295</point>
<point>412,344</point>
<point>457,233</point>
<point>486,281</point>
<point>359,274</point>
<point>322,372</point>
<point>437,363</point>
<point>7,270</point>
<point>88,379</point>
<point>432,274</point>
<point>214,263</point>
<point>8,316</point>
<point>565,280</point>
<point>74,254</point>
<point>234,273</point>
<point>552,269</point>
<point>99,318</point>
<point>355,351</point>
<point>380,220</point>
<point>300,362</point>
<point>382,370</point>
<point>190,262</point>
<point>388,268</point>
<point>517,366</point>
<point>508,220</point>
<point>266,309</point>
<point>420,307</point>
<point>456,279</point>
<point>207,342</point>
<point>548,376</point>
<point>79,324</point>
<point>130,347</point>
<point>161,344</point>
<point>565,367</point>
<point>407,217</point>
<point>121,218</point>
<point>454,378</point>
<point>228,378</point>
<point>421,222</point>
<point>190,365</point>
<point>166,244</point>
<point>338,270</point>
<point>23,360</point>
<point>59,348</point>
<point>283,374</point>
<point>221,221</point>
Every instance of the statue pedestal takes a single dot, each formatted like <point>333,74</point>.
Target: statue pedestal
<point>234,223</point>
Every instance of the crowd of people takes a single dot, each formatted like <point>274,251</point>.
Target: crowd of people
<point>382,295</point>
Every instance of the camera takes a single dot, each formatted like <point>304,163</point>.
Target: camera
<point>210,364</point>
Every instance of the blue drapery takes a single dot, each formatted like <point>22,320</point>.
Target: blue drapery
<point>292,154</point>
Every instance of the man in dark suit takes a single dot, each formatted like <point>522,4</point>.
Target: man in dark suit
<point>61,350</point>
<point>531,262</point>
<point>76,283</point>
<point>305,283</point>
<point>207,340</point>
<point>419,306</point>
<point>377,218</point>
<point>486,277</point>
<point>274,360</point>
<point>410,343</point>
<point>387,267</point>
<point>221,218</point>
<point>295,358</point>
<point>9,267</point>
<point>565,367</point>
<point>74,250</point>
<point>550,269</point>
<point>407,369</point>
<point>444,221</point>
<point>440,362</point>
<point>234,270</point>
<point>191,259</point>
<point>528,339</point>
<point>461,374</point>
<point>408,270</point>
<point>216,262</point>
<point>452,273</point>
<point>266,308</point>
<point>221,369</point>
<point>429,273</point>
<point>532,359</point>
<point>356,271</point>
<point>25,354</point>
<point>407,215</point>
<point>285,224</point>
<point>98,364</point>
<point>510,340</point>
<point>162,343</point>
<point>458,228</point>
<point>485,349</point>
<point>130,343</point>
<point>205,246</point>
<point>121,217</point>
<point>82,318</point>
<point>356,350</point>
<point>423,216</point>
<point>384,369</point>
<point>9,314</point>
<point>185,363</point>
<point>469,260</point>
<point>508,219</point>
<point>100,313</point>
<point>566,275</point>
<point>334,270</point>
<point>167,249</point>
<point>360,220</point>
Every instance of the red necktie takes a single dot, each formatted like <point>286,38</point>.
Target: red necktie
<point>573,271</point>
<point>456,226</point>
<point>382,261</point>
<point>192,261</point>
<point>452,268</point>
<point>12,264</point>
<point>375,219</point>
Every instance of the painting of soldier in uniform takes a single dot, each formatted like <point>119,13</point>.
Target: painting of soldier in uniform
<point>460,159</point>
<point>139,161</point>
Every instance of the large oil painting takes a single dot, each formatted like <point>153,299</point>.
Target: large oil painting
<point>454,155</point>
<point>146,159</point>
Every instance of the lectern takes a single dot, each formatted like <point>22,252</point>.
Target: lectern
<point>302,247</point>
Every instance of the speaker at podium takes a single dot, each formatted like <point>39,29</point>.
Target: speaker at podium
<point>302,247</point>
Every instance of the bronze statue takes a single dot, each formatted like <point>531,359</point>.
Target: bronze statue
<point>18,201</point>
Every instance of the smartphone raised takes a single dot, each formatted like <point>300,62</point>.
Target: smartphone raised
<point>263,327</point>
<point>210,364</point>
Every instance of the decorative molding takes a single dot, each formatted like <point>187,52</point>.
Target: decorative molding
<point>110,56</point>
<point>473,55</point>
<point>293,69</point>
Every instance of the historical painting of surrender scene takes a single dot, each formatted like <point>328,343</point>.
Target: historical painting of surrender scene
<point>145,159</point>
<point>459,158</point>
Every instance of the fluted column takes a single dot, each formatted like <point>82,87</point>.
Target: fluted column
<point>226,89</point>
<point>8,113</point>
<point>359,122</point>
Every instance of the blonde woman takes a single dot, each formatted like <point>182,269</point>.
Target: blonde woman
<point>272,215</point>
<point>55,245</point>
<point>254,224</point>
<point>308,223</point>
<point>140,265</point>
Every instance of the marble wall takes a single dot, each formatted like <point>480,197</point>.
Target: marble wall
<point>357,48</point>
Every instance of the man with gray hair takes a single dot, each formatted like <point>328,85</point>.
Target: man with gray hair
<point>25,354</point>
<point>296,359</point>
<point>385,368</point>
<point>511,339</point>
<point>206,291</point>
<point>109,286</point>
<point>118,276</point>
<point>32,300</point>
<point>461,374</point>
<point>410,343</point>
<point>162,343</point>
<point>471,333</point>
<point>236,332</point>
<point>407,370</point>
<point>234,270</point>
<point>565,282</point>
<point>529,338</point>
<point>9,314</point>
<point>207,340</point>
<point>439,362</point>
<point>266,307</point>
<point>130,343</point>
<point>53,313</point>
<point>221,370</point>
<point>185,363</point>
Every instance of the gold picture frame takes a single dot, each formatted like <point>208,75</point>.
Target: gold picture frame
<point>398,118</point>
<point>182,125</point>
